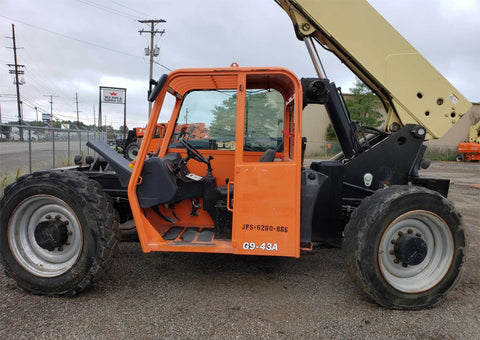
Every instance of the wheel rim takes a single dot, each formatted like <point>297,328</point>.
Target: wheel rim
<point>26,218</point>
<point>133,152</point>
<point>434,232</point>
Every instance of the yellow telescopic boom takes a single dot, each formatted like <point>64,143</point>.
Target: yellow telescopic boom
<point>411,89</point>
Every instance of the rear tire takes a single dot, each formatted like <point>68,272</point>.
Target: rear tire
<point>131,151</point>
<point>460,157</point>
<point>405,247</point>
<point>57,232</point>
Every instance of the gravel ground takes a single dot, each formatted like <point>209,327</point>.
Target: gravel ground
<point>192,296</point>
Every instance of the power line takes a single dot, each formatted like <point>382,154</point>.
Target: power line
<point>32,102</point>
<point>130,8</point>
<point>72,38</point>
<point>108,9</point>
<point>41,77</point>
<point>41,83</point>
<point>165,67</point>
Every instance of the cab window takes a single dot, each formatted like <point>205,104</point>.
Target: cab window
<point>207,120</point>
<point>264,120</point>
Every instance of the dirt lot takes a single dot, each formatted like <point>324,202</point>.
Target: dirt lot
<point>219,296</point>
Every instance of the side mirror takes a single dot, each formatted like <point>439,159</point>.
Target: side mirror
<point>153,94</point>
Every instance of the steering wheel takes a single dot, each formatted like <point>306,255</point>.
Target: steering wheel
<point>193,152</point>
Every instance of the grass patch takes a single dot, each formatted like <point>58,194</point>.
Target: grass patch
<point>444,154</point>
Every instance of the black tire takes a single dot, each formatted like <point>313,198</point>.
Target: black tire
<point>460,157</point>
<point>383,227</point>
<point>84,249</point>
<point>131,151</point>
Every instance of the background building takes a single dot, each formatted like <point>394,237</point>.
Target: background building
<point>315,122</point>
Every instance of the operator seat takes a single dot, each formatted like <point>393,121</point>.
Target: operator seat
<point>268,156</point>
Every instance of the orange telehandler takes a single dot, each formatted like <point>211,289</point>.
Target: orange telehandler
<point>131,144</point>
<point>242,188</point>
<point>470,150</point>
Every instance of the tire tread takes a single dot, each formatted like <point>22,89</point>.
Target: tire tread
<point>100,207</point>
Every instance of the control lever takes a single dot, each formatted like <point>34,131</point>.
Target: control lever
<point>209,167</point>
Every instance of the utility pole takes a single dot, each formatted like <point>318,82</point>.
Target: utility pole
<point>152,51</point>
<point>15,70</point>
<point>36,112</point>
<point>125,116</point>
<point>51,104</point>
<point>100,108</point>
<point>78,117</point>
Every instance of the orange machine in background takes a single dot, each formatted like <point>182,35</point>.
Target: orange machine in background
<point>470,151</point>
<point>131,144</point>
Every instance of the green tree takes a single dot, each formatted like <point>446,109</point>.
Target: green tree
<point>264,114</point>
<point>364,107</point>
<point>223,124</point>
<point>262,119</point>
<point>330,135</point>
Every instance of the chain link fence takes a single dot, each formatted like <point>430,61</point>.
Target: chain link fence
<point>322,149</point>
<point>25,149</point>
<point>328,149</point>
<point>441,152</point>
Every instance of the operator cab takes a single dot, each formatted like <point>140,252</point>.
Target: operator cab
<point>233,139</point>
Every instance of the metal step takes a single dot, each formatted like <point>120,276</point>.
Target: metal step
<point>206,235</point>
<point>189,234</point>
<point>172,233</point>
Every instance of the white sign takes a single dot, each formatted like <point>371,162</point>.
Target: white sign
<point>46,117</point>
<point>113,96</point>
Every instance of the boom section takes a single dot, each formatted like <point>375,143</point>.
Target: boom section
<point>411,89</point>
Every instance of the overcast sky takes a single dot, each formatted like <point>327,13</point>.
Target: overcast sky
<point>78,45</point>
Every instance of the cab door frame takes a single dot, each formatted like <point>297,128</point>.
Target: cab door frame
<point>266,200</point>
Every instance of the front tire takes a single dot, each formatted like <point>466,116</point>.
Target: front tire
<point>57,232</point>
<point>405,247</point>
<point>131,151</point>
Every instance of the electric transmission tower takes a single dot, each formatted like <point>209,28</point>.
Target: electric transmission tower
<point>152,51</point>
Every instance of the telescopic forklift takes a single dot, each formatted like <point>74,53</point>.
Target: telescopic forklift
<point>131,144</point>
<point>470,150</point>
<point>244,189</point>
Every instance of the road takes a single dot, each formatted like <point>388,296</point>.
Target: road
<point>191,296</point>
<point>14,156</point>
